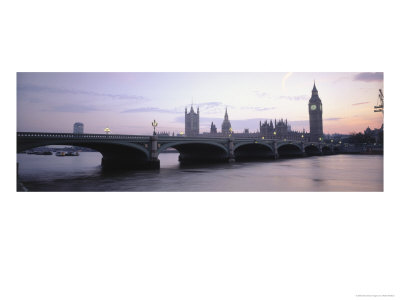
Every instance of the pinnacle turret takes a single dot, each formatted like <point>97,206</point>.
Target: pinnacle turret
<point>226,125</point>
<point>314,90</point>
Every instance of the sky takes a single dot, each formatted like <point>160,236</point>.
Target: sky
<point>127,103</point>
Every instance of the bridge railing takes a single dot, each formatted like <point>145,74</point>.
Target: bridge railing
<point>80,136</point>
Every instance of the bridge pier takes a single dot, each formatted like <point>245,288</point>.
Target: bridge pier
<point>332,149</point>
<point>231,149</point>
<point>276,153</point>
<point>320,153</point>
<point>154,162</point>
<point>303,149</point>
<point>153,151</point>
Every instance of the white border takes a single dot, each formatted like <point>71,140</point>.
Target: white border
<point>196,245</point>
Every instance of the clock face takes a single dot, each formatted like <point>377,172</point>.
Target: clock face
<point>313,107</point>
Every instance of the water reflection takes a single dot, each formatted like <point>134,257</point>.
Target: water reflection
<point>83,173</point>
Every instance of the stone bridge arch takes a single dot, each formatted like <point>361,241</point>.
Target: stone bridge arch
<point>288,149</point>
<point>251,150</point>
<point>198,151</point>
<point>312,149</point>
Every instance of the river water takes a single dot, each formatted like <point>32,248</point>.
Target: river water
<point>318,173</point>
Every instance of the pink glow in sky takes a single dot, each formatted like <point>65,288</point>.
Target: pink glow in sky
<point>128,102</point>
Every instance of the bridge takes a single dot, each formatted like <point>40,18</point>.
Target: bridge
<point>141,151</point>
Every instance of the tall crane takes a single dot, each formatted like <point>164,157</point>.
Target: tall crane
<point>379,105</point>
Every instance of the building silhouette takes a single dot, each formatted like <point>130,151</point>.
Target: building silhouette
<point>267,129</point>
<point>78,128</point>
<point>280,130</point>
<point>315,113</point>
<point>163,133</point>
<point>192,122</point>
<point>213,129</point>
<point>226,124</point>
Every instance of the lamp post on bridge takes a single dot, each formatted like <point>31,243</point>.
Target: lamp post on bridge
<point>154,146</point>
<point>154,124</point>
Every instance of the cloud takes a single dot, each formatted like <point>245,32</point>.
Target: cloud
<point>30,100</point>
<point>340,79</point>
<point>287,75</point>
<point>262,94</point>
<point>369,76</point>
<point>75,108</point>
<point>257,108</point>
<point>360,103</point>
<point>58,90</point>
<point>333,119</point>
<point>151,109</point>
<point>208,107</point>
<point>294,98</point>
<point>210,104</point>
<point>211,107</point>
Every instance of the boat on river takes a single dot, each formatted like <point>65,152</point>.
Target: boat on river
<point>67,153</point>
<point>72,153</point>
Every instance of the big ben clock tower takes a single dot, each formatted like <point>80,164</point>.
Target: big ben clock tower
<point>315,112</point>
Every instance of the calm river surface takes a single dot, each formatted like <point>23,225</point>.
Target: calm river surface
<point>318,173</point>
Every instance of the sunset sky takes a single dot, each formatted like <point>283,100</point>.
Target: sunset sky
<point>128,102</point>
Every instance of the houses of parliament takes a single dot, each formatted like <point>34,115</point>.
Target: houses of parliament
<point>277,129</point>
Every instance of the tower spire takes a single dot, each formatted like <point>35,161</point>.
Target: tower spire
<point>314,90</point>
